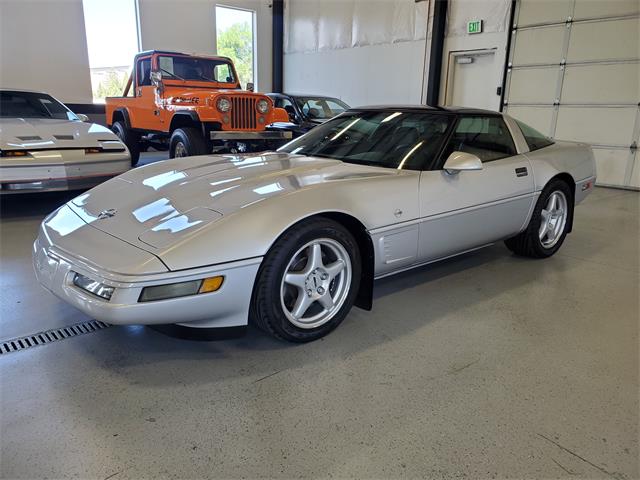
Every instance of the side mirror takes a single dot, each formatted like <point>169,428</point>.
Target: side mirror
<point>459,161</point>
<point>250,86</point>
<point>82,117</point>
<point>156,78</point>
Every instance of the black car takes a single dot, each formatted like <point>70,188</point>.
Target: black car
<point>305,111</point>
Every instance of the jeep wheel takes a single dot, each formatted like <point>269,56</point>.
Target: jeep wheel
<point>187,142</point>
<point>130,138</point>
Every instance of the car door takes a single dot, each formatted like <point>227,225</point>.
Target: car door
<point>464,210</point>
<point>144,111</point>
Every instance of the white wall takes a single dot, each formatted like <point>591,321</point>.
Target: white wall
<point>364,52</point>
<point>43,47</point>
<point>179,25</point>
<point>495,14</point>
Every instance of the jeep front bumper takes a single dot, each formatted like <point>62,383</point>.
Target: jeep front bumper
<point>248,136</point>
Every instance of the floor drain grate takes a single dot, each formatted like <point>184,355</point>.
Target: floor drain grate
<point>49,336</point>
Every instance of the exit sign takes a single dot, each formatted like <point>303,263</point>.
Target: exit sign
<point>474,26</point>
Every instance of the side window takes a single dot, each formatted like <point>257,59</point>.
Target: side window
<point>144,72</point>
<point>486,137</point>
<point>535,140</point>
<point>222,73</point>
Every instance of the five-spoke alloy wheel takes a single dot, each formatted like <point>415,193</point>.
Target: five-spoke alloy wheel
<point>549,224</point>
<point>308,281</point>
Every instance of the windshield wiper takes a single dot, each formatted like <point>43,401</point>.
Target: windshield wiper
<point>172,74</point>
<point>208,79</point>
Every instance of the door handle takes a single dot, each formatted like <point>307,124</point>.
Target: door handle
<point>522,172</point>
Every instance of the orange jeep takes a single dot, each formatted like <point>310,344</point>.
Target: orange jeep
<point>191,105</point>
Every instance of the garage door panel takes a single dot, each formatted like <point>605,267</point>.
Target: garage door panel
<point>533,85</point>
<point>616,83</point>
<point>544,11</point>
<point>635,174</point>
<point>604,40</point>
<point>537,117</point>
<point>611,165</point>
<point>538,45</point>
<point>604,8</point>
<point>597,125</point>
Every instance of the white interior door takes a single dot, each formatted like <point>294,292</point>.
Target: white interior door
<point>470,79</point>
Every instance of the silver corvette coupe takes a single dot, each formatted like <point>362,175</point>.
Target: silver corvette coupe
<point>44,146</point>
<point>292,239</point>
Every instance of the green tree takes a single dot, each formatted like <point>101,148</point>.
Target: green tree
<point>111,86</point>
<point>236,42</point>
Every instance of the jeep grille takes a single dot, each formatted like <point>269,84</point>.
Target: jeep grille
<point>243,113</point>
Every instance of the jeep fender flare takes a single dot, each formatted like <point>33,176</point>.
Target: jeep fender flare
<point>125,116</point>
<point>183,118</point>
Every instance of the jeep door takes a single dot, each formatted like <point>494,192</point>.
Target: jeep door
<point>144,110</point>
<point>468,209</point>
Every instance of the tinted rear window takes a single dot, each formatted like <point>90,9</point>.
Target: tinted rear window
<point>534,138</point>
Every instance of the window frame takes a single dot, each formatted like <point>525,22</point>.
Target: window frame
<point>439,163</point>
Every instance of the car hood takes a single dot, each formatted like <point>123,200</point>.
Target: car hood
<point>160,204</point>
<point>48,133</point>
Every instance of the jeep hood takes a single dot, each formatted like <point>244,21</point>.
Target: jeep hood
<point>158,205</point>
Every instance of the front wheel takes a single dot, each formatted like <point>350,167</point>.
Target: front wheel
<point>130,138</point>
<point>187,142</point>
<point>549,223</point>
<point>308,281</point>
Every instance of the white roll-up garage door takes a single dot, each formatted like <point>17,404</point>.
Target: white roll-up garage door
<point>574,74</point>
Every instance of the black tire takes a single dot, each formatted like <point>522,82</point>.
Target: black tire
<point>130,138</point>
<point>528,242</point>
<point>192,140</point>
<point>267,311</point>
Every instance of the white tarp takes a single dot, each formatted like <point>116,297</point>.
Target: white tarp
<point>319,25</point>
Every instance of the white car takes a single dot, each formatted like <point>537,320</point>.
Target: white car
<point>44,146</point>
<point>292,239</point>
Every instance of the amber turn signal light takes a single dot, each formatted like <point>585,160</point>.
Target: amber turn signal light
<point>211,284</point>
<point>92,150</point>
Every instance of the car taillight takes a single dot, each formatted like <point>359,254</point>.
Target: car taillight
<point>92,150</point>
<point>15,153</point>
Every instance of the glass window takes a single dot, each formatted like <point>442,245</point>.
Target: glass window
<point>195,68</point>
<point>144,72</point>
<point>534,138</point>
<point>110,54</point>
<point>486,137</point>
<point>321,108</point>
<point>235,39</point>
<point>32,105</point>
<point>403,140</point>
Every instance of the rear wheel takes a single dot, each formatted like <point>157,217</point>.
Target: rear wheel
<point>130,138</point>
<point>549,223</point>
<point>308,281</point>
<point>187,142</point>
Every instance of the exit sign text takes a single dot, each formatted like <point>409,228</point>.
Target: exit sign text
<point>474,26</point>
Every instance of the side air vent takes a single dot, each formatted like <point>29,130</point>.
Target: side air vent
<point>26,138</point>
<point>63,137</point>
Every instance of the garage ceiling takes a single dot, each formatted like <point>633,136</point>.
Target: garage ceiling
<point>574,75</point>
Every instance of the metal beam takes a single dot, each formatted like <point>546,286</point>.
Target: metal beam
<point>436,53</point>
<point>277,12</point>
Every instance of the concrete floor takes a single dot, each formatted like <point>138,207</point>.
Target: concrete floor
<point>484,366</point>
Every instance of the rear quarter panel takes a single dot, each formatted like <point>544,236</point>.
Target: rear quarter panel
<point>576,159</point>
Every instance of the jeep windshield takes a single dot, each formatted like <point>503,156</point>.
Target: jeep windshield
<point>196,69</point>
<point>32,105</point>
<point>392,139</point>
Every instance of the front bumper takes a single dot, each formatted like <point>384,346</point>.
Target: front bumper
<point>54,170</point>
<point>250,136</point>
<point>227,307</point>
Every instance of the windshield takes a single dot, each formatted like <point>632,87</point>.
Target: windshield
<point>193,68</point>
<point>318,108</point>
<point>402,140</point>
<point>32,105</point>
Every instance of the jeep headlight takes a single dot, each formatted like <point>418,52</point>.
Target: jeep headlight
<point>262,106</point>
<point>223,104</point>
